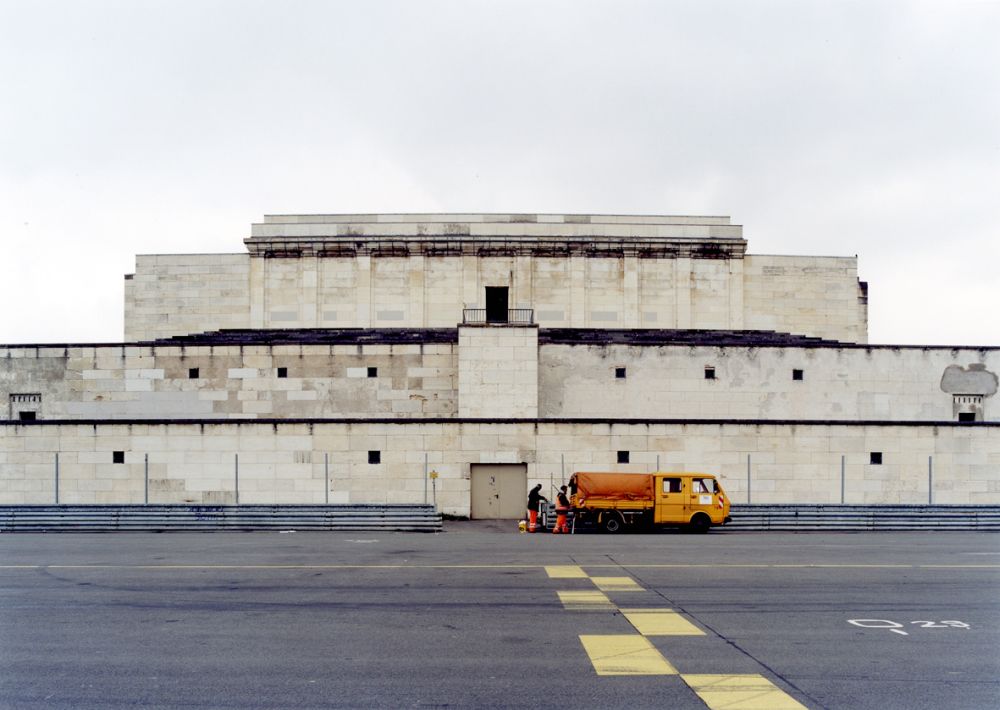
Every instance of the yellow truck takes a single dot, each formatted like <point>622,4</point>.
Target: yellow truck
<point>644,501</point>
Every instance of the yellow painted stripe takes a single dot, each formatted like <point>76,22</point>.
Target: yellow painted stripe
<point>740,692</point>
<point>616,584</point>
<point>565,572</point>
<point>585,601</point>
<point>660,622</point>
<point>625,655</point>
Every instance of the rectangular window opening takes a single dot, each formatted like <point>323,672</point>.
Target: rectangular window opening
<point>875,458</point>
<point>709,373</point>
<point>117,457</point>
<point>27,416</point>
<point>282,372</point>
<point>966,416</point>
<point>193,373</point>
<point>373,372</point>
<point>623,457</point>
<point>798,374</point>
<point>619,373</point>
<point>374,457</point>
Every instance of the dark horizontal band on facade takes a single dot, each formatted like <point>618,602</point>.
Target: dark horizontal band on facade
<point>463,244</point>
<point>414,421</point>
<point>546,336</point>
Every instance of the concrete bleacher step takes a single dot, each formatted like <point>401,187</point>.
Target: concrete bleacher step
<point>832,517</point>
<point>156,518</point>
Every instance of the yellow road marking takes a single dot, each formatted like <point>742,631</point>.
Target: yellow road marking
<point>740,692</point>
<point>660,622</point>
<point>585,601</point>
<point>616,584</point>
<point>625,655</point>
<point>565,572</point>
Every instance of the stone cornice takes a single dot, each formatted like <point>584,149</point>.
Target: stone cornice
<point>285,246</point>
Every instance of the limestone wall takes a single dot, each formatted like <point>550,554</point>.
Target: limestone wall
<point>292,462</point>
<point>877,383</point>
<point>146,382</point>
<point>498,372</point>
<point>173,295</point>
<point>811,295</point>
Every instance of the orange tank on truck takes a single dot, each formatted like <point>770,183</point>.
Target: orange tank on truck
<point>619,501</point>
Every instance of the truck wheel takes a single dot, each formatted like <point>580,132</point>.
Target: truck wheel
<point>700,523</point>
<point>613,523</point>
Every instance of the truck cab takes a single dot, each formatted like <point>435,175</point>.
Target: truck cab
<point>694,499</point>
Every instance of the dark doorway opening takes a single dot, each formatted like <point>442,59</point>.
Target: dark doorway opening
<point>496,304</point>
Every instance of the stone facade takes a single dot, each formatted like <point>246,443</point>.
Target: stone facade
<point>843,383</point>
<point>498,372</point>
<point>418,271</point>
<point>501,372</point>
<point>342,357</point>
<point>318,461</point>
<point>221,382</point>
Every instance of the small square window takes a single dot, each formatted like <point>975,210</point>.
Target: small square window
<point>373,372</point>
<point>619,373</point>
<point>374,457</point>
<point>623,457</point>
<point>709,373</point>
<point>117,457</point>
<point>193,373</point>
<point>282,372</point>
<point>798,374</point>
<point>876,458</point>
<point>962,416</point>
<point>27,416</point>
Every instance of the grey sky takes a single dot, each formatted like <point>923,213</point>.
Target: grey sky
<point>869,128</point>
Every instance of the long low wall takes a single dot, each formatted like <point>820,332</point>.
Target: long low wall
<point>382,461</point>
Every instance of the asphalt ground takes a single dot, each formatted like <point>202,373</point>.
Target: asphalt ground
<point>473,617</point>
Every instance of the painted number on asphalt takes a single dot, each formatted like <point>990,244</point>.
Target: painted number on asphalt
<point>897,628</point>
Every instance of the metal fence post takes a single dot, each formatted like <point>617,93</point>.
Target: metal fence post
<point>425,478</point>
<point>657,463</point>
<point>326,478</point>
<point>237,474</point>
<point>57,478</point>
<point>843,468</point>
<point>146,493</point>
<point>748,478</point>
<point>930,480</point>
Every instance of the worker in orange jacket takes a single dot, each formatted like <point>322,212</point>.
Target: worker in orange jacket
<point>562,510</point>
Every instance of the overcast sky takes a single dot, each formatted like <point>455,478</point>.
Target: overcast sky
<point>830,128</point>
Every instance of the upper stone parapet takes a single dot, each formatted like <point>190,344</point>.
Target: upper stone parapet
<point>643,235</point>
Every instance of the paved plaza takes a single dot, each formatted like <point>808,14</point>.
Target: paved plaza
<point>480,616</point>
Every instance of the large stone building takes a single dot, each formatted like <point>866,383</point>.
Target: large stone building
<point>343,358</point>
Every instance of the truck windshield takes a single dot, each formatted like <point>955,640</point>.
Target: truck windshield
<point>704,485</point>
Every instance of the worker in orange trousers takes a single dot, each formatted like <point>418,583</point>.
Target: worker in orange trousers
<point>562,510</point>
<point>534,498</point>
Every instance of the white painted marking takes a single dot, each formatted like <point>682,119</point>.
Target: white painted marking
<point>878,624</point>
<point>896,627</point>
